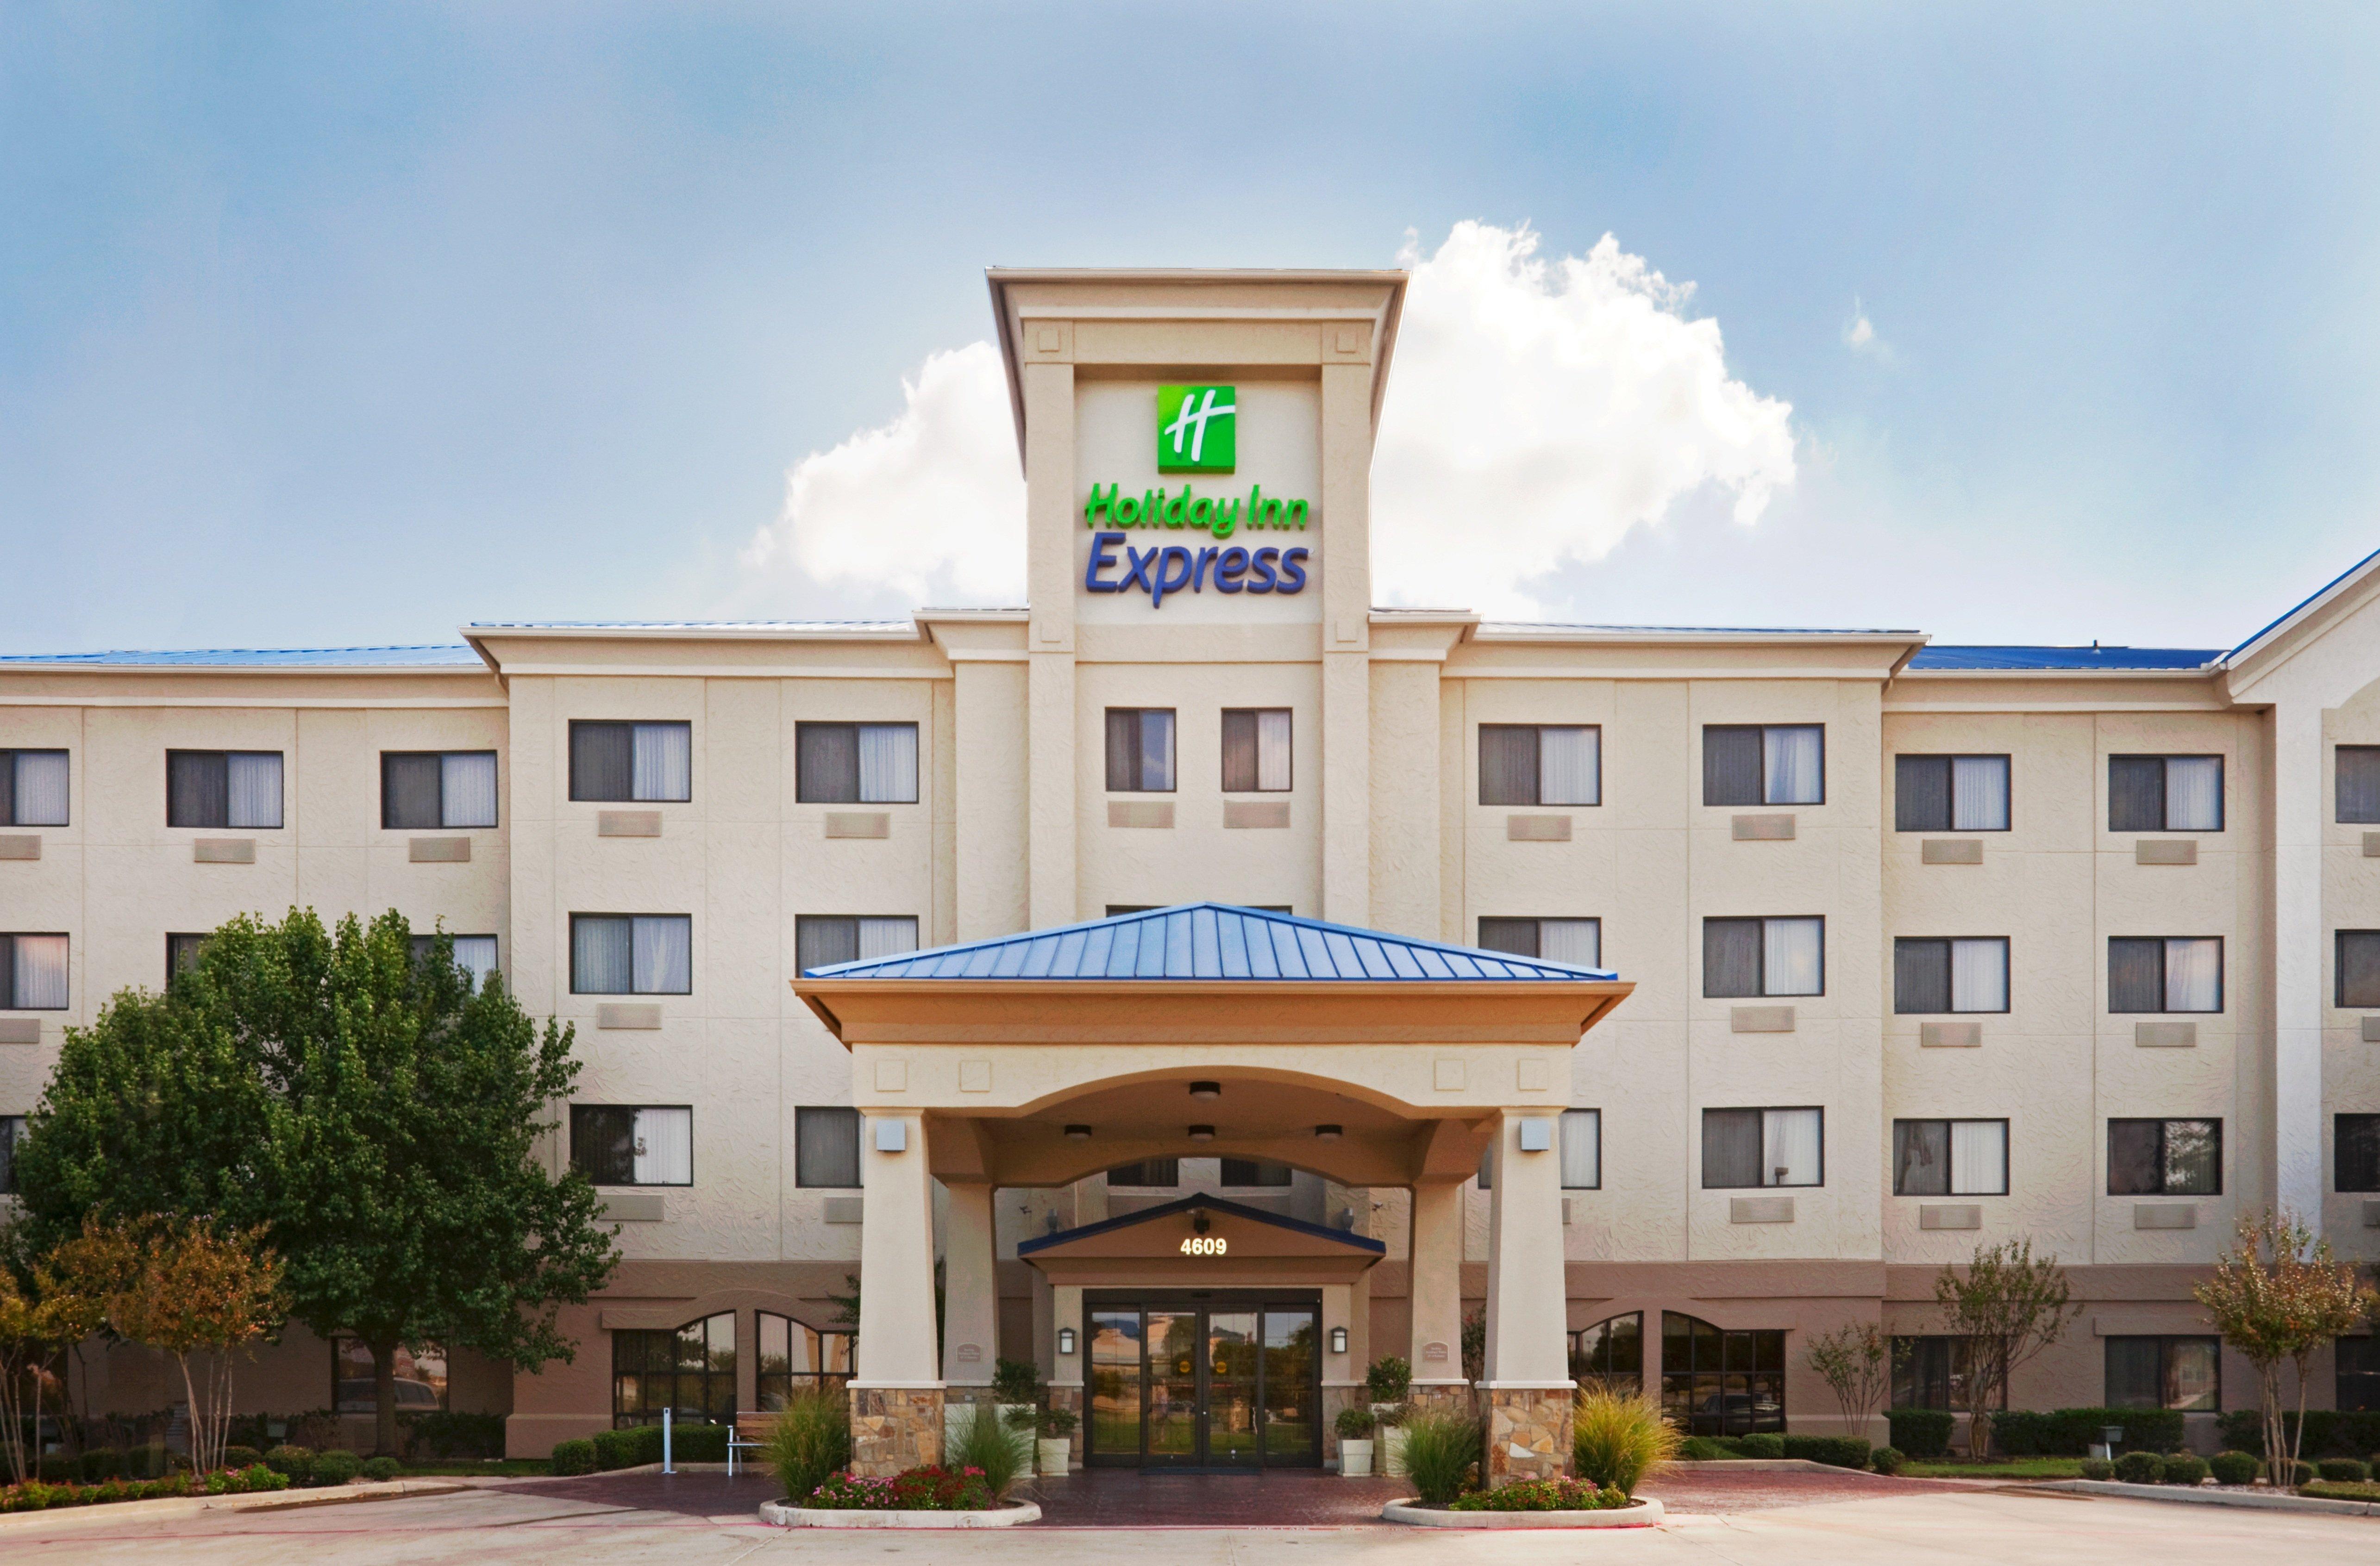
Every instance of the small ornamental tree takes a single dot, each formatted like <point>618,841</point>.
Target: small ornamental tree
<point>2008,1304</point>
<point>1855,1361</point>
<point>2277,1297</point>
<point>35,1321</point>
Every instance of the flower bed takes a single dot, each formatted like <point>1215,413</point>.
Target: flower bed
<point>916,1489</point>
<point>1542,1495</point>
<point>35,1496</point>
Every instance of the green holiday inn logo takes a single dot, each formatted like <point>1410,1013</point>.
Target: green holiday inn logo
<point>1197,429</point>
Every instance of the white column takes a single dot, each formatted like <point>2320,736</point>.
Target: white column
<point>1528,1342</point>
<point>2298,953</point>
<point>1435,1266</point>
<point>970,1290</point>
<point>896,1253</point>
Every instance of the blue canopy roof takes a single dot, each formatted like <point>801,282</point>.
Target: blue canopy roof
<point>1208,940</point>
<point>1213,1204</point>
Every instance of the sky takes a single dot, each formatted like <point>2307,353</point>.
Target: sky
<point>344,325</point>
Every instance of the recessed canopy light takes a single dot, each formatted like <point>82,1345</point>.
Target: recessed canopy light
<point>1202,1134</point>
<point>1078,1133</point>
<point>1205,1090</point>
<point>1326,1133</point>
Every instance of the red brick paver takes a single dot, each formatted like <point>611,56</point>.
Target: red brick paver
<point>1697,1489</point>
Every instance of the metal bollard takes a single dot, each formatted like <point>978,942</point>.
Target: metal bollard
<point>666,1468</point>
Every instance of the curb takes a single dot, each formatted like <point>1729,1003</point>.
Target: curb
<point>1646,1513</point>
<point>1766,1466</point>
<point>2190,1496</point>
<point>780,1515</point>
<point>270,1501</point>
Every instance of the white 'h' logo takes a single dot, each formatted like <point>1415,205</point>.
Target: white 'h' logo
<point>1191,423</point>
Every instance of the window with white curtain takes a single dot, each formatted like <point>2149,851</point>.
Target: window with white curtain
<point>1256,750</point>
<point>1764,764</point>
<point>631,953</point>
<point>1954,973</point>
<point>425,789</point>
<point>1140,749</point>
<point>2165,794</point>
<point>625,762</point>
<point>856,764</point>
<point>826,1147</point>
<point>33,788</point>
<point>2167,973</point>
<point>1581,1149</point>
<point>1743,1149</point>
<point>1747,958</point>
<point>1540,764</point>
<point>2356,969</point>
<point>1576,941</point>
<point>1950,794</point>
<point>2357,795</point>
<point>1950,1158</point>
<point>822,940</point>
<point>475,954</point>
<point>223,788</point>
<point>32,973</point>
<point>2165,1158</point>
<point>633,1145</point>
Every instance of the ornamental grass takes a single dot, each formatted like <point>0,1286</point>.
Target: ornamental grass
<point>809,1442</point>
<point>1441,1454</point>
<point>1617,1438</point>
<point>985,1445</point>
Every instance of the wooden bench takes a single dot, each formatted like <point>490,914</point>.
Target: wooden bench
<point>749,1433</point>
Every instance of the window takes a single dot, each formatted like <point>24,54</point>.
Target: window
<point>1747,1148</point>
<point>1950,1158</point>
<point>1751,957</point>
<point>1950,794</point>
<point>223,788</point>
<point>2165,1158</point>
<point>428,789</point>
<point>633,1145</point>
<point>1716,1383</point>
<point>1256,750</point>
<point>2357,968</point>
<point>475,954</point>
<point>2355,1153</point>
<point>823,940</point>
<point>1961,974</point>
<point>1581,1149</point>
<point>2357,1372</point>
<point>1746,764</point>
<point>33,788</point>
<point>2165,794</point>
<point>2175,1373</point>
<point>1540,764</point>
<point>2164,973</point>
<point>32,973</point>
<point>631,761</point>
<point>12,1131</point>
<point>856,764</point>
<point>1148,1174</point>
<point>2358,787</point>
<point>1611,1353</point>
<point>690,1372</point>
<point>1932,1372</point>
<point>182,953</point>
<point>1579,941</point>
<point>631,954</point>
<point>826,1147</point>
<point>1255,1171</point>
<point>1140,751</point>
<point>795,1355</point>
<point>419,1374</point>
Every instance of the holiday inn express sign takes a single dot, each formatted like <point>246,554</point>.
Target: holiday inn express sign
<point>1197,432</point>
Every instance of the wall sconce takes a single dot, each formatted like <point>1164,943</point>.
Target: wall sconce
<point>1327,1132</point>
<point>1338,1339</point>
<point>892,1136</point>
<point>1204,1090</point>
<point>1066,1340</point>
<point>1078,1133</point>
<point>1202,1134</point>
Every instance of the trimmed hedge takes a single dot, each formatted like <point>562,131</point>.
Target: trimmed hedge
<point>336,1466</point>
<point>380,1470</point>
<point>2099,1468</point>
<point>1921,1432</point>
<point>573,1457</point>
<point>2072,1432</point>
<point>2184,1468</point>
<point>2141,1468</point>
<point>639,1445</point>
<point>2328,1433</point>
<point>1767,1443</point>
<point>1888,1460</point>
<point>295,1463</point>
<point>2343,1470</point>
<point>2235,1467</point>
<point>241,1457</point>
<point>1836,1452</point>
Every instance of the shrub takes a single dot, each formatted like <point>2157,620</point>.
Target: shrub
<point>1835,1451</point>
<point>1442,1449</point>
<point>2072,1432</point>
<point>2302,1474</point>
<point>1389,1380</point>
<point>1057,1421</point>
<point>1016,1380</point>
<point>1354,1424</point>
<point>1541,1495</point>
<point>569,1457</point>
<point>1704,1449</point>
<point>241,1457</point>
<point>336,1466</point>
<point>915,1489</point>
<point>103,1464</point>
<point>1767,1444</point>
<point>1888,1460</point>
<point>2184,1468</point>
<point>380,1470</point>
<point>240,1481</point>
<point>986,1447</point>
<point>1618,1438</point>
<point>2342,1470</point>
<point>811,1439</point>
<point>440,1434</point>
<point>2328,1432</point>
<point>696,1443</point>
<point>631,1447</point>
<point>2235,1467</point>
<point>2099,1468</point>
<point>2140,1468</point>
<point>1920,1432</point>
<point>295,1463</point>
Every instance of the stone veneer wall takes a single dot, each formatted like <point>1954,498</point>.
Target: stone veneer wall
<point>1528,1434</point>
<point>894,1428</point>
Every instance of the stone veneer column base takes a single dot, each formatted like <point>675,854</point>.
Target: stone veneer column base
<point>1528,1433</point>
<point>894,1428</point>
<point>1439,1397</point>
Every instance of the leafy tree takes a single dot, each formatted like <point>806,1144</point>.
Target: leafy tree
<point>376,1114</point>
<point>2278,1296</point>
<point>2009,1306</point>
<point>1857,1362</point>
<point>36,1320</point>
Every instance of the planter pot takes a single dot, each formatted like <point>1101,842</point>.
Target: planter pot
<point>1355,1460</point>
<point>1393,1451</point>
<point>1054,1453</point>
<point>1641,1513</point>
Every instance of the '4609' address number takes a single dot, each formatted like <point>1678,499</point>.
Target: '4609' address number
<point>1204,1246</point>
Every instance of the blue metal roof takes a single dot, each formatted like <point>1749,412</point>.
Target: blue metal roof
<point>455,655</point>
<point>1213,1204</point>
<point>2063,658</point>
<point>1208,941</point>
<point>2302,604</point>
<point>691,625</point>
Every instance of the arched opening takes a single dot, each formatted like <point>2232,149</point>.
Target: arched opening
<point>796,1357</point>
<point>1610,1355</point>
<point>690,1370</point>
<point>1721,1383</point>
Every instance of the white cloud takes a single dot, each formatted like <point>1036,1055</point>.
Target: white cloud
<point>930,506</point>
<point>1861,338</point>
<point>1537,412</point>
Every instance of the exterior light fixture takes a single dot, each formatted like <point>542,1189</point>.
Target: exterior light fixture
<point>1066,1340</point>
<point>1338,1339</point>
<point>1200,1222</point>
<point>1203,1090</point>
<point>1078,1133</point>
<point>1327,1132</point>
<point>1202,1134</point>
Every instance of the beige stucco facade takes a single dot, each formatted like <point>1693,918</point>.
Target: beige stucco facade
<point>1013,828</point>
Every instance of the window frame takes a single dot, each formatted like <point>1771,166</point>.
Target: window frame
<point>281,805</point>
<point>2337,777</point>
<point>1139,749</point>
<point>1610,1376</point>
<point>198,939</point>
<point>1949,758</point>
<point>819,1379</point>
<point>708,1375</point>
<point>2369,1135</point>
<point>1949,1155</point>
<point>1223,760</point>
<point>1763,920</point>
<point>1141,1166</point>
<point>2338,970</point>
<point>2007,1000</point>
<point>631,918</point>
<point>1561,1152</point>
<point>2165,789</point>
<point>1263,1168</point>
<point>1764,802</point>
<point>424,943</point>
<point>1680,1373</point>
<point>12,1131</point>
<point>444,825</point>
<point>1904,1362</point>
<point>9,1000</point>
<point>2165,977</point>
<point>2162,1123</point>
<point>1537,923</point>
<point>806,789</point>
<point>446,1390</point>
<point>13,816</point>
<point>2164,1343</point>
<point>632,1184</point>
<point>858,1147</point>
<point>1764,1111</point>
<point>803,922</point>
<point>570,758</point>
<point>1536,801</point>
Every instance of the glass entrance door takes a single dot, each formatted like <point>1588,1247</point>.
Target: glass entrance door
<point>1211,1384</point>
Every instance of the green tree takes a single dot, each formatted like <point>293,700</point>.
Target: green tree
<point>2009,1306</point>
<point>1857,1362</point>
<point>376,1114</point>
<point>2277,1297</point>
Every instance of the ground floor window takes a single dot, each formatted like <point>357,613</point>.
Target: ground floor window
<point>797,1358</point>
<point>2182,1373</point>
<point>420,1378</point>
<point>2359,1374</point>
<point>690,1370</point>
<point>1721,1383</point>
<point>1933,1372</point>
<point>1610,1354</point>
